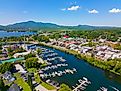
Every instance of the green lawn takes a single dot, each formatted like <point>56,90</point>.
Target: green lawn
<point>17,75</point>
<point>47,86</point>
<point>44,84</point>
<point>23,84</point>
<point>32,70</point>
<point>37,78</point>
<point>43,65</point>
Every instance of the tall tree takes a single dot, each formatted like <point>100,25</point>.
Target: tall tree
<point>64,87</point>
<point>2,85</point>
<point>30,81</point>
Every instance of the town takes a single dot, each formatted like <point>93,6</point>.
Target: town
<point>60,45</point>
<point>29,65</point>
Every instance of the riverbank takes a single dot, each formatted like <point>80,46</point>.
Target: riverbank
<point>90,59</point>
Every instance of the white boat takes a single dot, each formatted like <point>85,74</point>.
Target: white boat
<point>114,88</point>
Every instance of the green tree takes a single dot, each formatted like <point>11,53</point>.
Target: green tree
<point>30,82</point>
<point>39,51</point>
<point>6,67</point>
<point>30,55</point>
<point>32,63</point>
<point>64,87</point>
<point>2,85</point>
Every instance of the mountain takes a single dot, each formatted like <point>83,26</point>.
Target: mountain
<point>31,25</point>
<point>1,27</point>
<point>88,27</point>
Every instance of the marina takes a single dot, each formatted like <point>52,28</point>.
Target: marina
<point>60,71</point>
<point>83,83</point>
<point>49,55</point>
<point>54,66</point>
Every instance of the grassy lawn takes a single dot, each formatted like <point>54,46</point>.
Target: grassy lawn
<point>47,86</point>
<point>37,78</point>
<point>32,70</point>
<point>23,84</point>
<point>17,75</point>
<point>43,65</point>
<point>7,82</point>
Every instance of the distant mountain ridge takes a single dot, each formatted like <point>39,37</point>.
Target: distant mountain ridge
<point>31,25</point>
<point>1,27</point>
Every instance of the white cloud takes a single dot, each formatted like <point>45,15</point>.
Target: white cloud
<point>115,10</point>
<point>72,8</point>
<point>94,11</point>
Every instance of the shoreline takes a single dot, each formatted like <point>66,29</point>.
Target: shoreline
<point>84,57</point>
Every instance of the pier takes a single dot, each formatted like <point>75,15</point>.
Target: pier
<point>83,83</point>
<point>51,55</point>
<point>102,89</point>
<point>58,73</point>
<point>53,83</point>
<point>56,58</point>
<point>54,66</point>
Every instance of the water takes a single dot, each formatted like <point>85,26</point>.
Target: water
<point>97,76</point>
<point>15,34</point>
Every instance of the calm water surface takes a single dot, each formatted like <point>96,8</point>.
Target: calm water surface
<point>97,76</point>
<point>15,34</point>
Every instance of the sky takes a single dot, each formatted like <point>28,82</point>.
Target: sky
<point>62,12</point>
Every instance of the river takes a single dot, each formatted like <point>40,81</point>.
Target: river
<point>98,77</point>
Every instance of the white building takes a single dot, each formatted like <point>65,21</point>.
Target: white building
<point>21,54</point>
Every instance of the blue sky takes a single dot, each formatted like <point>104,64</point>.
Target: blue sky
<point>63,12</point>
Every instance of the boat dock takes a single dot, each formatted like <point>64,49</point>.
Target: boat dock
<point>54,58</point>
<point>83,83</point>
<point>50,55</point>
<point>102,89</point>
<point>54,66</point>
<point>53,83</point>
<point>58,73</point>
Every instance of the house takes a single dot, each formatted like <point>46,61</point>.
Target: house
<point>65,36</point>
<point>101,48</point>
<point>24,76</point>
<point>3,56</point>
<point>13,47</point>
<point>14,87</point>
<point>116,56</point>
<point>21,54</point>
<point>85,49</point>
<point>102,40</point>
<point>29,47</point>
<point>8,76</point>
<point>19,68</point>
<point>107,56</point>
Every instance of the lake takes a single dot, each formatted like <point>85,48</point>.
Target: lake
<point>98,77</point>
<point>14,34</point>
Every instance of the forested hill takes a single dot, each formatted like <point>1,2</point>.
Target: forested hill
<point>1,27</point>
<point>31,25</point>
